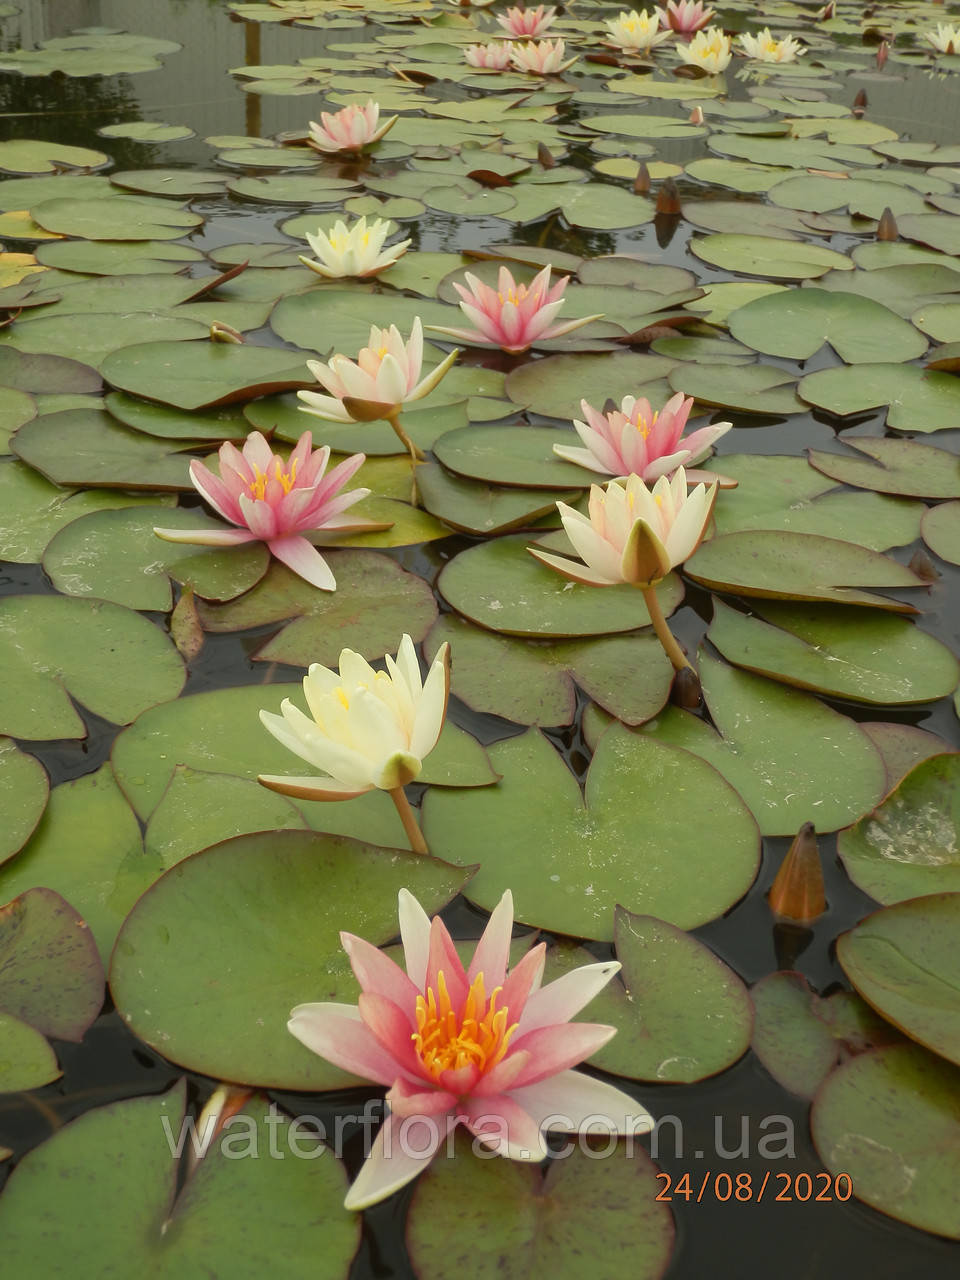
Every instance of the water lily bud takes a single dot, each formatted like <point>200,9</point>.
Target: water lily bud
<point>887,226</point>
<point>798,892</point>
<point>220,332</point>
<point>686,691</point>
<point>641,183</point>
<point>696,115</point>
<point>544,158</point>
<point>668,199</point>
<point>882,54</point>
<point>860,103</point>
<point>923,566</point>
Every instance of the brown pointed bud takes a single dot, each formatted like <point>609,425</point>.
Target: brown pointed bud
<point>883,53</point>
<point>860,103</point>
<point>923,566</point>
<point>696,115</point>
<point>220,332</point>
<point>641,183</point>
<point>224,1103</point>
<point>798,892</point>
<point>668,199</point>
<point>544,157</point>
<point>686,689</point>
<point>826,13</point>
<point>887,226</point>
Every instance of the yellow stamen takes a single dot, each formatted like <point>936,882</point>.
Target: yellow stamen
<point>477,1036</point>
<point>341,696</point>
<point>516,296</point>
<point>258,485</point>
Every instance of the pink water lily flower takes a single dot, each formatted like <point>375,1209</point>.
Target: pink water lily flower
<point>512,316</point>
<point>525,24</point>
<point>277,502</point>
<point>685,16</point>
<point>636,439</point>
<point>540,57</point>
<point>351,129</point>
<point>493,56</point>
<point>480,1047</point>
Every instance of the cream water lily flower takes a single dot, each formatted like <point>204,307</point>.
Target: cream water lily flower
<point>708,49</point>
<point>366,729</point>
<point>637,31</point>
<point>946,39</point>
<point>540,57</point>
<point>351,129</point>
<point>354,251</point>
<point>493,56</point>
<point>764,48</point>
<point>480,1046</point>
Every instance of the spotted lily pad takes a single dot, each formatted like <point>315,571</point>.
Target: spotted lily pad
<point>898,467</point>
<point>52,649</point>
<point>28,1060</point>
<point>617,845</point>
<point>24,789</point>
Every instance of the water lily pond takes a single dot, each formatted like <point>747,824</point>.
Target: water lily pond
<point>480,524</point>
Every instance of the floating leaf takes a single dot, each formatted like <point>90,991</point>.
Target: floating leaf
<point>108,257</point>
<point>769,256</point>
<point>890,1122</point>
<point>792,758</point>
<point>483,508</point>
<point>168,423</point>
<point>489,1217</point>
<point>941,531</point>
<point>52,649</point>
<point>907,846</point>
<point>919,400</point>
<point>24,789</point>
<point>229,1211</point>
<point>902,746</point>
<point>28,1061</point>
<point>118,219</point>
<point>502,587</point>
<point>26,155</point>
<point>175,968</point>
<point>93,340</point>
<point>375,603</point>
<point>555,385</point>
<point>206,373</point>
<point>753,388</point>
<point>899,466</point>
<point>828,649</point>
<point>178,184</point>
<point>797,323</point>
<point>100,452</point>
<point>146,131</point>
<point>511,456</point>
<point>617,844</point>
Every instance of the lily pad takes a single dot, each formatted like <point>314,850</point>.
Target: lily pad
<point>117,219</point>
<point>817,194</point>
<point>228,1210</point>
<point>918,399</point>
<point>769,256</point>
<point>533,683</point>
<point>97,336</point>
<point>474,507</point>
<point>28,155</point>
<point>792,758</point>
<point>903,960</point>
<point>890,1122</point>
<point>499,585</point>
<point>752,388</point>
<point>491,1216</point>
<point>907,846</point>
<point>87,447</point>
<point>941,531</point>
<point>375,603</point>
<point>799,566</point>
<point>797,323</point>
<point>830,650</point>
<point>176,184</point>
<point>24,789</point>
<point>286,419</point>
<point>174,968</point>
<point>52,650</point>
<point>324,319</point>
<point>50,972</point>
<point>120,257</point>
<point>115,555</point>
<point>555,385</point>
<point>200,375</point>
<point>146,131</point>
<point>28,1061</point>
<point>510,455</point>
<point>168,423</point>
<point>898,466</point>
<point>618,844</point>
<point>903,746</point>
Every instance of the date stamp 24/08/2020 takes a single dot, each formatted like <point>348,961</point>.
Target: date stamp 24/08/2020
<point>783,1188</point>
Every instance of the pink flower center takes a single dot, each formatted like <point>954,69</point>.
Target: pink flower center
<point>258,485</point>
<point>515,295</point>
<point>645,425</point>
<point>446,1041</point>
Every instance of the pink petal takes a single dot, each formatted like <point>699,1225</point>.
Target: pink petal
<point>460,1080</point>
<point>554,1049</point>
<point>392,1029</point>
<point>335,1032</point>
<point>402,1149</point>
<point>376,972</point>
<point>493,949</point>
<point>406,1099</point>
<point>523,979</point>
<point>213,489</point>
<point>503,1076</point>
<point>304,559</point>
<point>258,517</point>
<point>502,1125</point>
<point>563,999</point>
<point>569,1099</point>
<point>443,956</point>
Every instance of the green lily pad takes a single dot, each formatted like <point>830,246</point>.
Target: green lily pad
<point>898,466</point>
<point>120,257</point>
<point>175,184</point>
<point>941,531</point>
<point>101,452</point>
<point>98,336</point>
<point>753,388</point>
<point>489,1217</point>
<point>790,153</point>
<point>325,319</point>
<point>799,566</point>
<point>292,188</point>
<point>174,969</point>
<point>115,555</point>
<point>890,1122</point>
<point>89,850</point>
<point>22,193</point>
<point>47,374</point>
<point>168,423</point>
<point>28,1061</point>
<point>499,585</point>
<point>792,758</point>
<point>28,155</point>
<point>118,219</point>
<point>918,399</point>
<point>206,373</point>
<point>941,320</point>
<point>941,231</point>
<point>16,408</point>
<point>50,972</point>
<point>902,746</point>
<point>642,125</point>
<point>830,650</point>
<point>720,300</point>
<point>787,493</point>
<point>555,385</point>
<point>769,256</point>
<point>869,199</point>
<point>24,790</point>
<point>375,603</point>
<point>741,175</point>
<point>617,844</point>
<point>509,456</point>
<point>907,846</point>
<point>533,683</point>
<point>902,288</point>
<point>146,131</point>
<point>474,507</point>
<point>797,323</point>
<point>903,960</point>
<point>52,649</point>
<point>228,1211</point>
<point>728,216</point>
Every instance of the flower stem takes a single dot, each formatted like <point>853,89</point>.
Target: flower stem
<point>416,455</point>
<point>664,634</point>
<point>410,825</point>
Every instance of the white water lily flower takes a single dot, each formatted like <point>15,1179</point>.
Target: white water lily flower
<point>946,39</point>
<point>636,31</point>
<point>353,251</point>
<point>366,729</point>
<point>708,49</point>
<point>764,48</point>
